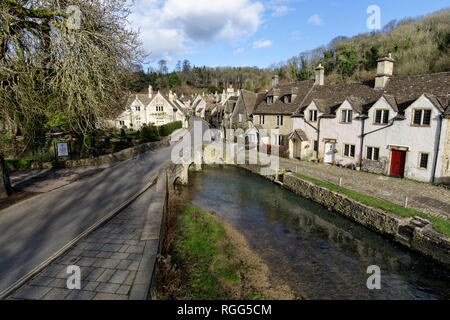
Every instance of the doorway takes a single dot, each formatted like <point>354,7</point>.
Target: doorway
<point>398,161</point>
<point>329,152</point>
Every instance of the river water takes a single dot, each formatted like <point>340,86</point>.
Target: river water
<point>318,253</point>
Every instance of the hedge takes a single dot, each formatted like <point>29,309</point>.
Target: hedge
<point>167,129</point>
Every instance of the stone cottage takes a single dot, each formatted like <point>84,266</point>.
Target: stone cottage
<point>276,108</point>
<point>152,108</point>
<point>394,125</point>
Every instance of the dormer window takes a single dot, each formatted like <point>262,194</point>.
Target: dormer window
<point>381,116</point>
<point>287,99</point>
<point>270,100</point>
<point>313,115</point>
<point>138,108</point>
<point>346,116</point>
<point>422,117</point>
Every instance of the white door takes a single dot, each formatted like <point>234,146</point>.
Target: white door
<point>329,152</point>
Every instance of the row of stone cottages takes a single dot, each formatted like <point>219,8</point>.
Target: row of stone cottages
<point>148,107</point>
<point>398,126</point>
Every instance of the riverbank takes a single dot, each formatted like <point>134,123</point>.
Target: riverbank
<point>205,258</point>
<point>404,226</point>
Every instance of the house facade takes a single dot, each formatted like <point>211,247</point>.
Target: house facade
<point>274,110</point>
<point>396,126</point>
<point>408,143</point>
<point>153,109</point>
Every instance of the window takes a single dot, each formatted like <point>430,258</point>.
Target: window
<point>313,115</point>
<point>423,160</point>
<point>159,109</point>
<point>349,150</point>
<point>270,100</point>
<point>280,140</point>
<point>138,108</point>
<point>382,117</point>
<point>421,117</point>
<point>261,119</point>
<point>347,116</point>
<point>316,145</point>
<point>122,123</point>
<point>287,99</point>
<point>279,120</point>
<point>373,153</point>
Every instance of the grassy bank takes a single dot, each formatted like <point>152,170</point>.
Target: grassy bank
<point>207,260</point>
<point>440,225</point>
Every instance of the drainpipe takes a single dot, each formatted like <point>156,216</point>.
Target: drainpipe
<point>318,136</point>
<point>365,134</point>
<point>436,156</point>
<point>361,151</point>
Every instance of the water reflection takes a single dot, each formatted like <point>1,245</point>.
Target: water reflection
<point>318,253</point>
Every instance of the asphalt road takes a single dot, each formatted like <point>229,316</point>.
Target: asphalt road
<point>33,230</point>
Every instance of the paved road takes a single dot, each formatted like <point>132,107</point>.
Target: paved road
<point>33,230</point>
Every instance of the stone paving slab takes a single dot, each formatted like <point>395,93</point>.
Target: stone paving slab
<point>109,258</point>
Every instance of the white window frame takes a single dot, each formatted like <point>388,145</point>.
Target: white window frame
<point>346,116</point>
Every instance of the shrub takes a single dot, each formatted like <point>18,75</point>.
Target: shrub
<point>148,134</point>
<point>167,129</point>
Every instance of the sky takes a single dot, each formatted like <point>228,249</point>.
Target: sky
<point>257,32</point>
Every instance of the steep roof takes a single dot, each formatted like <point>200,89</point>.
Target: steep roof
<point>298,134</point>
<point>300,89</point>
<point>400,92</point>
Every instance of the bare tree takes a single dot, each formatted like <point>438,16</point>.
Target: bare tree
<point>65,61</point>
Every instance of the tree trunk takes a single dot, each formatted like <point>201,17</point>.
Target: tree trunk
<point>5,184</point>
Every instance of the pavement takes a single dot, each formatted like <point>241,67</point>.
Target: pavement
<point>34,230</point>
<point>424,197</point>
<point>116,260</point>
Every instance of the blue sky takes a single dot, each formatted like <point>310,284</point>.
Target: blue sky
<point>256,33</point>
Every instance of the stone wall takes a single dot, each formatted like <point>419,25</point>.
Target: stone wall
<point>123,155</point>
<point>415,233</point>
<point>379,167</point>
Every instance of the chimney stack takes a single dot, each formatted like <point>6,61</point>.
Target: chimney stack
<point>275,81</point>
<point>320,75</point>
<point>150,91</point>
<point>385,70</point>
<point>171,96</point>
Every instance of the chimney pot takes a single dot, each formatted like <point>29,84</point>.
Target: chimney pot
<point>320,75</point>
<point>150,91</point>
<point>385,70</point>
<point>275,81</point>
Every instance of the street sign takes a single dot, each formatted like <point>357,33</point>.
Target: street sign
<point>63,149</point>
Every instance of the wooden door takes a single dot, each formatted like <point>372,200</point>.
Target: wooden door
<point>398,163</point>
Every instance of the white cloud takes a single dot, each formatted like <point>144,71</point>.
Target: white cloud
<point>262,44</point>
<point>279,11</point>
<point>315,19</point>
<point>170,27</point>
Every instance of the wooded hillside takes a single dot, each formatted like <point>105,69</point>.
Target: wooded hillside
<point>419,46</point>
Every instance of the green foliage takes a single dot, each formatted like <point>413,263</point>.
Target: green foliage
<point>167,129</point>
<point>148,134</point>
<point>440,225</point>
<point>198,244</point>
<point>174,81</point>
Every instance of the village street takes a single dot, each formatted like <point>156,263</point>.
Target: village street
<point>33,230</point>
